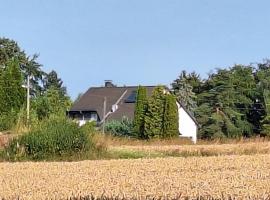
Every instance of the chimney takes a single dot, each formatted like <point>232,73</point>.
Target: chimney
<point>109,83</point>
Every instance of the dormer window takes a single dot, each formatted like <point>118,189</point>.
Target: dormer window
<point>132,97</point>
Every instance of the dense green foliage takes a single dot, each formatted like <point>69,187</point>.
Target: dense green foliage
<point>12,94</point>
<point>120,128</point>
<point>183,89</point>
<point>48,95</point>
<point>8,120</point>
<point>54,137</point>
<point>154,117</point>
<point>9,49</point>
<point>51,102</point>
<point>229,106</point>
<point>263,77</point>
<point>140,108</point>
<point>154,114</point>
<point>52,80</point>
<point>170,121</point>
<point>231,102</point>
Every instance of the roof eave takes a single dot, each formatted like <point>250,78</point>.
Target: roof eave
<point>188,112</point>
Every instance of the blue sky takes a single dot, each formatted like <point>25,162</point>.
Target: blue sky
<point>135,42</point>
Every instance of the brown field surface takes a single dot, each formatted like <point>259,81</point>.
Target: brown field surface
<point>246,176</point>
<point>249,148</point>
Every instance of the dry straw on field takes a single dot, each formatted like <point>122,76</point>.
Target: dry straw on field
<point>219,177</point>
<point>199,150</point>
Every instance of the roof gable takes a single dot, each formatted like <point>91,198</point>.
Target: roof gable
<point>189,113</point>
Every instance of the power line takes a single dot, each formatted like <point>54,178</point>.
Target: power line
<point>244,108</point>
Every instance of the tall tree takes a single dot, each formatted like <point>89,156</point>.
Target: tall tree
<point>266,120</point>
<point>52,80</point>
<point>229,98</point>
<point>195,81</point>
<point>184,92</point>
<point>139,114</point>
<point>9,49</point>
<point>153,127</point>
<point>12,94</point>
<point>30,67</point>
<point>262,113</point>
<point>171,119</point>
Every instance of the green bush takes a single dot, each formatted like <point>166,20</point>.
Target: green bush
<point>54,137</point>
<point>89,127</point>
<point>7,120</point>
<point>120,128</point>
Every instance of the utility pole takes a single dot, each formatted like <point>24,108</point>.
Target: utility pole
<point>104,114</point>
<point>28,100</point>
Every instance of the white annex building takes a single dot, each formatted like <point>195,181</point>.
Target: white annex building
<point>188,126</point>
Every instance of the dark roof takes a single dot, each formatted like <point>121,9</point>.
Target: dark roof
<point>93,100</point>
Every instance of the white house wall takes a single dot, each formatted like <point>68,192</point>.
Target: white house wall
<point>187,127</point>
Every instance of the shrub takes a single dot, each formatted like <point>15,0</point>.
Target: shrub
<point>154,115</point>
<point>139,114</point>
<point>120,128</point>
<point>89,127</point>
<point>54,137</point>
<point>7,120</point>
<point>170,120</point>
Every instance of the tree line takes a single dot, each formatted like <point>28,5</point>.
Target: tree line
<point>231,102</point>
<point>48,95</point>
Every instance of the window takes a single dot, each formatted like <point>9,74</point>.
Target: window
<point>87,116</point>
<point>90,116</point>
<point>132,97</point>
<point>78,116</point>
<point>94,117</point>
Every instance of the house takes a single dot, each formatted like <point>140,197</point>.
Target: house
<point>113,103</point>
<point>110,101</point>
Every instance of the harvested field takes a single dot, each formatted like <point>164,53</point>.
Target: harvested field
<point>220,176</point>
<point>200,150</point>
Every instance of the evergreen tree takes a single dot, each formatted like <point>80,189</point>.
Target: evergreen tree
<point>266,119</point>
<point>184,91</point>
<point>227,99</point>
<point>194,80</point>
<point>153,127</point>
<point>170,120</point>
<point>262,108</point>
<point>139,114</point>
<point>12,94</point>
<point>52,80</point>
